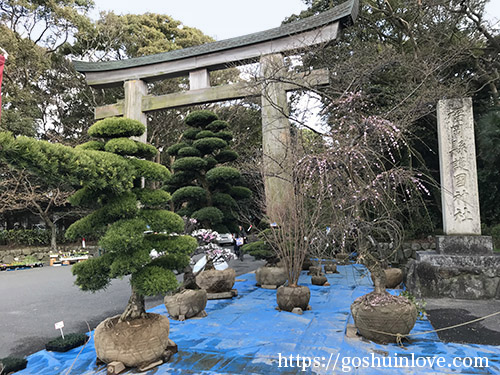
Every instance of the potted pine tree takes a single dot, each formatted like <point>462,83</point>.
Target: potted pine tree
<point>129,219</point>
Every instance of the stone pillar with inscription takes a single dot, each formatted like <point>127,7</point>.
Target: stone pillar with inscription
<point>459,192</point>
<point>463,265</point>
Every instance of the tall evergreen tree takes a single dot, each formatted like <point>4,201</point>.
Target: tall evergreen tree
<point>201,186</point>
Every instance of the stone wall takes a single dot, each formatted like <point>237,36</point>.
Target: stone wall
<point>8,256</point>
<point>407,251</point>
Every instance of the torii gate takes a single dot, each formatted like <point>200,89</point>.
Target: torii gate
<point>268,47</point>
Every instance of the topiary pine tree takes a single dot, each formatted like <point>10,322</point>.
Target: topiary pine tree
<point>202,186</point>
<point>130,220</point>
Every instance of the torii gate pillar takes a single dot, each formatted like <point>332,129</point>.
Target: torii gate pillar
<point>275,134</point>
<point>135,90</point>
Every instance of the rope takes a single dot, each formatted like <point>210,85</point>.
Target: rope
<point>400,337</point>
<point>81,350</point>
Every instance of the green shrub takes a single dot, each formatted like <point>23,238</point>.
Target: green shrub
<point>226,136</point>
<point>163,221</point>
<point>191,163</point>
<point>145,150</point>
<point>28,237</point>
<point>174,149</point>
<point>222,175</point>
<point>200,119</point>
<point>154,280</point>
<point>93,274</point>
<point>150,170</point>
<point>124,236</point>
<point>13,364</point>
<point>179,244</point>
<point>188,151</point>
<point>209,145</point>
<point>240,192</point>
<point>92,145</point>
<point>116,127</point>
<point>70,341</point>
<point>190,194</point>
<point>223,200</point>
<point>180,178</point>
<point>260,250</point>
<point>226,156</point>
<point>217,125</point>
<point>83,197</point>
<point>211,215</point>
<point>205,134</point>
<point>190,134</point>
<point>153,198</point>
<point>121,146</point>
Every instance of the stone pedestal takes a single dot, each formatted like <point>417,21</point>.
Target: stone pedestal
<point>454,276</point>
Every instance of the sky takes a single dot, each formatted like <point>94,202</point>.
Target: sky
<point>220,19</point>
<point>223,19</point>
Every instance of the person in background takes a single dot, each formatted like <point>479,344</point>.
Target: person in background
<point>239,240</point>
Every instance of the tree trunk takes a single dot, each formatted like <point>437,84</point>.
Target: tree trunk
<point>378,278</point>
<point>135,308</point>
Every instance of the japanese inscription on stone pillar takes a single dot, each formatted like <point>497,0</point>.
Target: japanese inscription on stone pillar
<point>457,162</point>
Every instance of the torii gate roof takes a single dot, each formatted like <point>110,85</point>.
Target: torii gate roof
<point>344,13</point>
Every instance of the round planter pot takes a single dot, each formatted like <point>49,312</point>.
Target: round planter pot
<point>290,297</point>
<point>383,313</point>
<point>393,277</point>
<point>216,281</point>
<point>270,276</point>
<point>331,268</point>
<point>307,263</point>
<point>314,270</point>
<point>135,342</point>
<point>318,280</point>
<point>186,304</point>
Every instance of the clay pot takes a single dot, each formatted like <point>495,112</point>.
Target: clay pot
<point>290,297</point>
<point>270,276</point>
<point>186,304</point>
<point>314,270</point>
<point>342,258</point>
<point>375,313</point>
<point>318,280</point>
<point>216,281</point>
<point>393,277</point>
<point>307,263</point>
<point>135,342</point>
<point>331,268</point>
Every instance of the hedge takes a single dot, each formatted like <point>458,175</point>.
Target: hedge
<point>226,156</point>
<point>121,146</point>
<point>150,170</point>
<point>28,237</point>
<point>205,134</point>
<point>163,221</point>
<point>153,198</point>
<point>190,134</point>
<point>92,145</point>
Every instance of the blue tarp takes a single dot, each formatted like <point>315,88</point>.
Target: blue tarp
<point>247,335</point>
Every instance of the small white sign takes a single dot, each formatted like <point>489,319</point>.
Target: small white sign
<point>59,326</point>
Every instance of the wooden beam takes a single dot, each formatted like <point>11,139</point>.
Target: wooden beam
<point>293,81</point>
<point>215,60</point>
<point>110,110</point>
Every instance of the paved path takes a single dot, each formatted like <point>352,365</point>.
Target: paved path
<point>33,300</point>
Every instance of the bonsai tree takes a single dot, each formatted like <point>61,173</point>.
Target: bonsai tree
<point>129,221</point>
<point>360,186</point>
<point>202,186</point>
